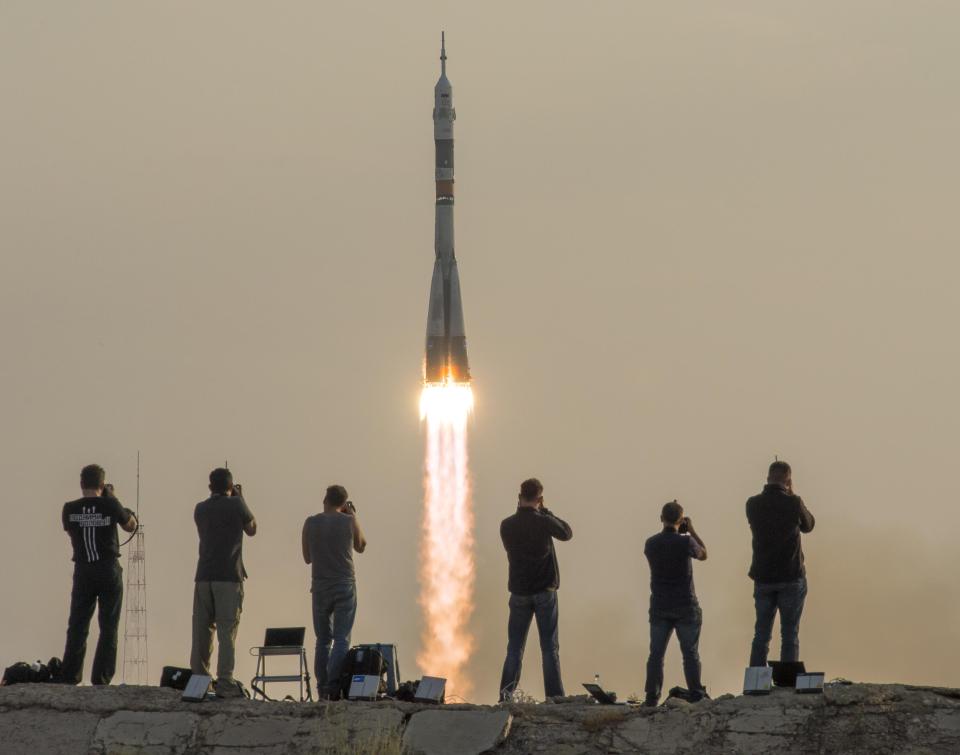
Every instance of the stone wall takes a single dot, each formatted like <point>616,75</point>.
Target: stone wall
<point>872,719</point>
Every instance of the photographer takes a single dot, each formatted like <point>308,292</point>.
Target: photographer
<point>673,600</point>
<point>221,523</point>
<point>328,541</point>
<point>528,539</point>
<point>91,522</point>
<point>777,516</point>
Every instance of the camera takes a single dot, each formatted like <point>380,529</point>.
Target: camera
<point>237,489</point>
<point>684,527</point>
<point>108,491</point>
<point>348,506</point>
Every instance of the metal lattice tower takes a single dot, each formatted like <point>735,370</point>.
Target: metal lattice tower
<point>135,659</point>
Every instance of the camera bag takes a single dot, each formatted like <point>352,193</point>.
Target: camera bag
<point>18,673</point>
<point>407,692</point>
<point>30,673</point>
<point>175,677</point>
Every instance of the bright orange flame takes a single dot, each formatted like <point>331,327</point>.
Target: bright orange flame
<point>447,573</point>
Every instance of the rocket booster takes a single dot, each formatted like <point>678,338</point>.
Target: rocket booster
<point>445,359</point>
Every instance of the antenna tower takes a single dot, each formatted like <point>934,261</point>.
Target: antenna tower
<point>135,659</point>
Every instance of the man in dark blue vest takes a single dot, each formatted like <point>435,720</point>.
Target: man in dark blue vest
<point>673,600</point>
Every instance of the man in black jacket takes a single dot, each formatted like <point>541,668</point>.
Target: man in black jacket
<point>777,517</point>
<point>528,539</point>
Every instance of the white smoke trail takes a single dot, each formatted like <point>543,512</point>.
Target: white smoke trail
<point>447,573</point>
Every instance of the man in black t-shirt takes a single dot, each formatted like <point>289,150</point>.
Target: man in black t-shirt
<point>91,522</point>
<point>534,579</point>
<point>221,523</point>
<point>673,600</point>
<point>777,516</point>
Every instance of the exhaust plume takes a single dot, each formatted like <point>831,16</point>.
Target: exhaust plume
<point>447,572</point>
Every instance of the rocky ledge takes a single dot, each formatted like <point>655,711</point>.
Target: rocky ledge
<point>862,718</point>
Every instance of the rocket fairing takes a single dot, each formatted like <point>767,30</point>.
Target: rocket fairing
<point>445,359</point>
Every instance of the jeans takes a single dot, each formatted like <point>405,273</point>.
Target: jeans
<point>523,608</point>
<point>770,597</point>
<point>216,605</point>
<point>687,623</point>
<point>334,610</point>
<point>97,585</point>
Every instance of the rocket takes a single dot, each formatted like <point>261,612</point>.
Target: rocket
<point>445,358</point>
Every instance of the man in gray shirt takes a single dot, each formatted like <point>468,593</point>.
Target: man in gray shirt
<point>329,540</point>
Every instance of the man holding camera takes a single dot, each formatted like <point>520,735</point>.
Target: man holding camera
<point>328,542</point>
<point>528,538</point>
<point>91,522</point>
<point>673,600</point>
<point>777,517</point>
<point>221,523</point>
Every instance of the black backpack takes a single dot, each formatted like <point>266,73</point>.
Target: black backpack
<point>175,677</point>
<point>363,662</point>
<point>32,673</point>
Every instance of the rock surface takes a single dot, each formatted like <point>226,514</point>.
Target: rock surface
<point>456,732</point>
<point>863,718</point>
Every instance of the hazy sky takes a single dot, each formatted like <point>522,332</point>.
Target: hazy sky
<point>691,236</point>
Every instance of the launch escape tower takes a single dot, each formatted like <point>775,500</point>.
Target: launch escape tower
<point>136,666</point>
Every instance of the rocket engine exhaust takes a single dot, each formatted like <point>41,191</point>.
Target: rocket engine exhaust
<point>447,573</point>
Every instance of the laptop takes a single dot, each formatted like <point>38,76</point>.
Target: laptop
<point>284,637</point>
<point>431,689</point>
<point>364,687</point>
<point>197,688</point>
<point>810,682</point>
<point>758,680</point>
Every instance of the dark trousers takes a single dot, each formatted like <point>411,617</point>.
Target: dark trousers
<point>97,585</point>
<point>687,623</point>
<point>523,608</point>
<point>334,611</point>
<point>769,598</point>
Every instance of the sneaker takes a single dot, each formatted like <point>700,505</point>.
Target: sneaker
<point>229,688</point>
<point>651,702</point>
<point>696,697</point>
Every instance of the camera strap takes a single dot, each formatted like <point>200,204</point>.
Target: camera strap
<point>132,534</point>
